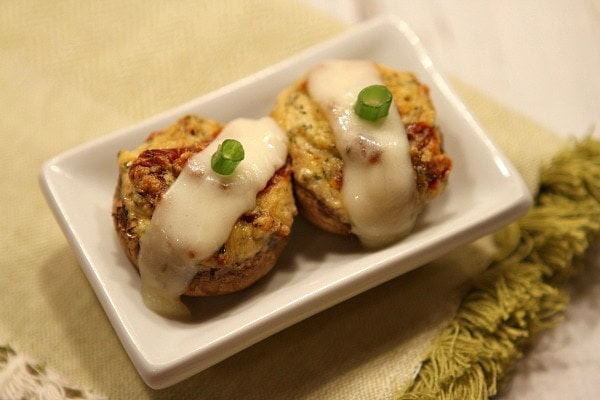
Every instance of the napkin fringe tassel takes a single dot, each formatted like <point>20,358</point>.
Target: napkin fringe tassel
<point>522,292</point>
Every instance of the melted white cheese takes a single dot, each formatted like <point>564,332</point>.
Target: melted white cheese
<point>195,216</point>
<point>379,184</point>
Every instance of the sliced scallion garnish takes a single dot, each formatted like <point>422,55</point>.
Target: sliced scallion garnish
<point>227,157</point>
<point>373,102</point>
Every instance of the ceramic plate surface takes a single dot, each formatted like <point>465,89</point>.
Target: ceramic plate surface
<point>317,269</point>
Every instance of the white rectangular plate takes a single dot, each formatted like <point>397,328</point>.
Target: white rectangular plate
<point>317,269</point>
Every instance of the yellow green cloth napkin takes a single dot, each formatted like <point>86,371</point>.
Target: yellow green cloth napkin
<point>72,71</point>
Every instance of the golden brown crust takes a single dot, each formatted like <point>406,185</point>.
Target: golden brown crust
<point>216,281</point>
<point>257,238</point>
<point>317,164</point>
<point>319,213</point>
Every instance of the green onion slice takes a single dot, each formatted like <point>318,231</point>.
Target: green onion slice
<point>227,157</point>
<point>373,102</point>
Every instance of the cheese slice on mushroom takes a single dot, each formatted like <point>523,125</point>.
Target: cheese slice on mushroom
<point>379,184</point>
<point>195,216</point>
